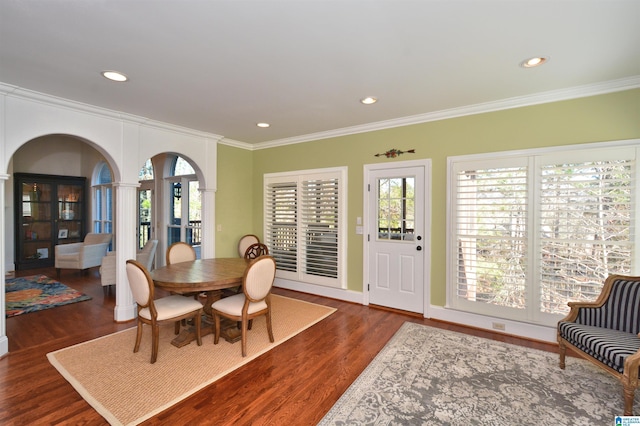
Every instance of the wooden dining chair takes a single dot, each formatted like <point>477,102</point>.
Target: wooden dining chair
<point>252,252</point>
<point>244,243</point>
<point>159,311</point>
<point>255,299</point>
<point>180,252</point>
<point>249,247</point>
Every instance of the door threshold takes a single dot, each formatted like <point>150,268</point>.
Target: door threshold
<point>398,311</point>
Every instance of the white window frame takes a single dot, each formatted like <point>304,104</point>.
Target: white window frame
<point>185,181</point>
<point>185,224</point>
<point>297,178</point>
<point>533,160</point>
<point>147,183</point>
<point>101,216</point>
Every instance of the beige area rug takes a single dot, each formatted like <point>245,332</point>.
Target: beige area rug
<point>109,376</point>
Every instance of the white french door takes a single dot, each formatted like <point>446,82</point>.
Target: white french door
<point>146,230</point>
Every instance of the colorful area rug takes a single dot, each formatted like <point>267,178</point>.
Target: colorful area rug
<point>429,376</point>
<point>126,389</point>
<point>38,292</point>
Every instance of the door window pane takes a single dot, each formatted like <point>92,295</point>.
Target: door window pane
<point>396,208</point>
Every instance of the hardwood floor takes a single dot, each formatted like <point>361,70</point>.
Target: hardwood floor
<point>296,383</point>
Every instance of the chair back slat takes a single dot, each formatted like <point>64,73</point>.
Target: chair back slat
<point>256,250</point>
<point>259,277</point>
<point>620,312</point>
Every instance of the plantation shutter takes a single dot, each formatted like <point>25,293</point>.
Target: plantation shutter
<point>320,227</point>
<point>304,217</point>
<point>530,232</point>
<point>491,235</point>
<point>281,224</point>
<point>585,228</point>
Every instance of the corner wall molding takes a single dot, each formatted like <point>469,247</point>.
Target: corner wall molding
<point>237,144</point>
<point>509,103</point>
<point>45,99</point>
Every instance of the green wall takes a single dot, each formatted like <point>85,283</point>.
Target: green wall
<point>600,118</point>
<point>234,199</point>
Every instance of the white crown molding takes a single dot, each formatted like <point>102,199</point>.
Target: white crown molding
<point>510,103</point>
<point>6,89</point>
<point>30,95</point>
<point>237,144</point>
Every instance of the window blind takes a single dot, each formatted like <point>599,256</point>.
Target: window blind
<point>585,232</point>
<point>534,230</point>
<point>492,235</point>
<point>320,227</point>
<point>304,214</point>
<point>281,224</point>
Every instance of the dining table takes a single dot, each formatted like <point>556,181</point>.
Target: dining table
<point>208,276</point>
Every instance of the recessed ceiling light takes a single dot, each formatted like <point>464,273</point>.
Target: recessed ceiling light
<point>263,125</point>
<point>534,62</point>
<point>369,100</point>
<point>115,76</point>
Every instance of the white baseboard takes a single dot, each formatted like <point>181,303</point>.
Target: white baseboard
<point>125,313</point>
<point>4,346</point>
<point>520,329</point>
<point>334,293</point>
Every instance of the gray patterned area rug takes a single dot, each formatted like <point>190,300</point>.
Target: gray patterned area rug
<point>428,376</point>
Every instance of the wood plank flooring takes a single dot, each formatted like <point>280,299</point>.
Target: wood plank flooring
<point>294,384</point>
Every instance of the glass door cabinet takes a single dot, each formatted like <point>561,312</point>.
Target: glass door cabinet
<point>49,210</point>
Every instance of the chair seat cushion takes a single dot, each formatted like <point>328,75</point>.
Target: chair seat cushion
<point>608,346</point>
<point>232,305</point>
<point>172,306</point>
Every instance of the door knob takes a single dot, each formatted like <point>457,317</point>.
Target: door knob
<point>418,238</point>
<point>419,248</point>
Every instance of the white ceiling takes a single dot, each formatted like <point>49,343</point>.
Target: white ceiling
<point>221,66</point>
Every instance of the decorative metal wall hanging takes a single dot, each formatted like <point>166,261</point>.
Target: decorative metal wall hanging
<point>393,153</point>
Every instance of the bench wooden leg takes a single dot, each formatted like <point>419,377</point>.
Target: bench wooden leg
<point>629,392</point>
<point>563,353</point>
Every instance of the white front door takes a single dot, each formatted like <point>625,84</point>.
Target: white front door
<point>396,236</point>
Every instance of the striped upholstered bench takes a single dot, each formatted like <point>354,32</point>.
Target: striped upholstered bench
<point>606,332</point>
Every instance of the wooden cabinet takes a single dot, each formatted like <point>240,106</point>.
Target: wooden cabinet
<point>49,210</point>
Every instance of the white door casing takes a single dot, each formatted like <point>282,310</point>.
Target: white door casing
<point>397,237</point>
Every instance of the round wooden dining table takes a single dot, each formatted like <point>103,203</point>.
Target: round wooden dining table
<point>209,276</point>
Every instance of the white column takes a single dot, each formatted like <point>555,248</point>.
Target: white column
<point>4,341</point>
<point>208,197</point>
<point>126,197</point>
